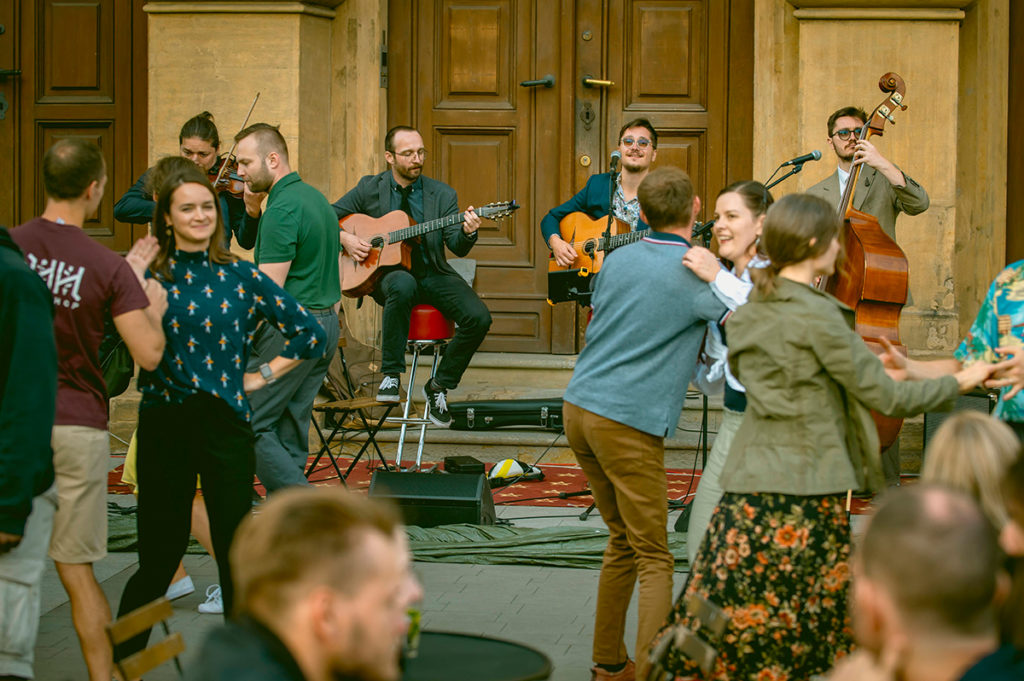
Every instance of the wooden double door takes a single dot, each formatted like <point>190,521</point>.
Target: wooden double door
<point>71,69</point>
<point>457,70</point>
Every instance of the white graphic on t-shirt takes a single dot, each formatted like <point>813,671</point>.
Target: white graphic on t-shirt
<point>62,279</point>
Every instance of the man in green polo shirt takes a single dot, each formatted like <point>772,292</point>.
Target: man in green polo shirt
<point>297,246</point>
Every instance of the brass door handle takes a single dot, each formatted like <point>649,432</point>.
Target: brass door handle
<point>589,81</point>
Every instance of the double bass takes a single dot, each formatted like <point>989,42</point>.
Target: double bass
<point>872,274</point>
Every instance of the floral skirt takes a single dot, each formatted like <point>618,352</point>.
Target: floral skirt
<point>778,565</point>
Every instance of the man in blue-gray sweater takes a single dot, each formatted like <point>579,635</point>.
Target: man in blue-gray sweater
<point>625,398</point>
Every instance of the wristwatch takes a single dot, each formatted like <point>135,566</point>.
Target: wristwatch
<point>267,373</point>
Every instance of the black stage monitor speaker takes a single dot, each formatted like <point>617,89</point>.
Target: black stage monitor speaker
<point>429,499</point>
<point>976,400</point>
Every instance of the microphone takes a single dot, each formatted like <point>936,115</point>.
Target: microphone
<point>617,156</point>
<point>800,160</point>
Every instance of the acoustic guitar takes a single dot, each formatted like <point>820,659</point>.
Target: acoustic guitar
<point>586,235</point>
<point>388,237</point>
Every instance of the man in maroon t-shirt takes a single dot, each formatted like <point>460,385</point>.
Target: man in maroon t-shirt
<point>88,281</point>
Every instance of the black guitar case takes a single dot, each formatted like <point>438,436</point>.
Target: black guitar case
<point>490,414</point>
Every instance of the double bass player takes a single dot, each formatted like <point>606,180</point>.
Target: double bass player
<point>883,191</point>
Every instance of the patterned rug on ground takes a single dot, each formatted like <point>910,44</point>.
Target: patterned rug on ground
<point>558,479</point>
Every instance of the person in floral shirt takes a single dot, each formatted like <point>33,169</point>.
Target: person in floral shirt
<point>997,335</point>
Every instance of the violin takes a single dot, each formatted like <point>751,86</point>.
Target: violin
<point>226,177</point>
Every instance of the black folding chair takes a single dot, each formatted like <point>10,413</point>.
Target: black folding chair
<point>348,418</point>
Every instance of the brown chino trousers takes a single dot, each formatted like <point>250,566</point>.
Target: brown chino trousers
<point>626,471</point>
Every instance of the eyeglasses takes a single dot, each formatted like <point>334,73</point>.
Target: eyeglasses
<point>422,153</point>
<point>641,142</point>
<point>845,133</point>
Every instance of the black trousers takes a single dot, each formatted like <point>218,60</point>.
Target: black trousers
<point>398,291</point>
<point>201,436</point>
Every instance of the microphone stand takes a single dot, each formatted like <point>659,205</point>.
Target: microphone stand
<point>613,176</point>
<point>583,297</point>
<point>703,231</point>
<point>796,168</point>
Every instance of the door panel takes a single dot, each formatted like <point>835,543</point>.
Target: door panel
<point>83,74</point>
<point>10,92</point>
<point>659,29</point>
<point>671,58</point>
<point>475,54</point>
<point>455,70</point>
<point>468,57</point>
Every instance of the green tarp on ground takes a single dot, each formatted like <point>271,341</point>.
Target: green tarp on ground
<point>474,544</point>
<point>502,545</point>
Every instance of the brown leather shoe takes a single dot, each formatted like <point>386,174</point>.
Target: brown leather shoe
<point>627,673</point>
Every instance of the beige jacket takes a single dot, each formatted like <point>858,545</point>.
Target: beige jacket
<point>875,196</point>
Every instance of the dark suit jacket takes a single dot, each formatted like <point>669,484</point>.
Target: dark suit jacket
<point>875,196</point>
<point>592,200</point>
<point>372,196</point>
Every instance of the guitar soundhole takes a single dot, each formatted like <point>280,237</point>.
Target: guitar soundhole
<point>377,242</point>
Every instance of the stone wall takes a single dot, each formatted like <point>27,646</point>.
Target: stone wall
<point>315,64</point>
<point>815,56</point>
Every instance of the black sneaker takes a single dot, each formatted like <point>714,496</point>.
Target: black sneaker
<point>437,405</point>
<point>389,389</point>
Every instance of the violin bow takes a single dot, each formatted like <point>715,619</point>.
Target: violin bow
<point>231,153</point>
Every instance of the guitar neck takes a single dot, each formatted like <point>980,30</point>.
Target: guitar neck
<point>424,227</point>
<point>623,239</point>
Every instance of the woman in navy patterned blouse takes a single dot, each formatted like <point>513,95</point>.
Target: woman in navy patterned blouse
<point>194,415</point>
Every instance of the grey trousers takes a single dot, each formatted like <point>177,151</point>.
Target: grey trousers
<point>709,490</point>
<point>281,411</point>
<point>21,570</point>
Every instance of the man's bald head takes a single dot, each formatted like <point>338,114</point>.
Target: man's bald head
<point>933,551</point>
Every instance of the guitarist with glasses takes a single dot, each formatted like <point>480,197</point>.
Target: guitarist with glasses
<point>638,145</point>
<point>429,279</point>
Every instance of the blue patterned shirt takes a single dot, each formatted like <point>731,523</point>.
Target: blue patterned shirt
<point>1000,323</point>
<point>212,314</point>
<point>627,211</point>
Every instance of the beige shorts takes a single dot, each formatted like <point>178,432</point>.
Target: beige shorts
<point>81,459</point>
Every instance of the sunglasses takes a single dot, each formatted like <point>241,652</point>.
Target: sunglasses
<point>641,142</point>
<point>845,133</point>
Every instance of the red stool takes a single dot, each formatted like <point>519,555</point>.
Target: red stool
<point>428,330</point>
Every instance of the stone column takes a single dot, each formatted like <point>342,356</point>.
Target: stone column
<point>815,56</point>
<point>316,65</point>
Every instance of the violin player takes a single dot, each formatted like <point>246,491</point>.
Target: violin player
<point>199,142</point>
<point>883,191</point>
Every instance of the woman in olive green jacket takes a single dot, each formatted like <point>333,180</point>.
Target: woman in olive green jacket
<point>776,555</point>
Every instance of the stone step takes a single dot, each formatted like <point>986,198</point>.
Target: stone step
<point>501,376</point>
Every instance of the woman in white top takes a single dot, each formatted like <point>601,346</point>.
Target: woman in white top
<point>739,217</point>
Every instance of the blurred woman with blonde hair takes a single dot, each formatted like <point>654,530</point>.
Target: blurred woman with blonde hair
<point>971,452</point>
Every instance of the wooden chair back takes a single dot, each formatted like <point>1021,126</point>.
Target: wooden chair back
<point>134,623</point>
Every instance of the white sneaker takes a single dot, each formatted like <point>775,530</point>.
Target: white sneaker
<point>214,604</point>
<point>182,587</point>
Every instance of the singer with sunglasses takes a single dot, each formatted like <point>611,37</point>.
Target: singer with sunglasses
<point>638,146</point>
<point>884,190</point>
